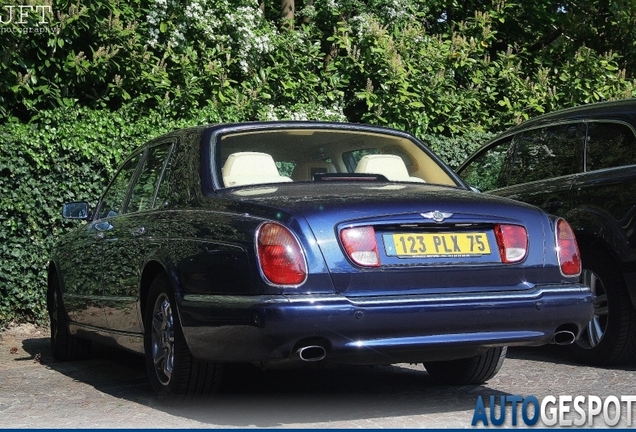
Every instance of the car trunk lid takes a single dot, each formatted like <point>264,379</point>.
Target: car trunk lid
<point>430,239</point>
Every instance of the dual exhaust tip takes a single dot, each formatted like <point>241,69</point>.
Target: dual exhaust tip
<point>311,353</point>
<point>563,337</point>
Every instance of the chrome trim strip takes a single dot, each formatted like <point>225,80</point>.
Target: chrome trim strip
<point>530,294</point>
<point>100,298</point>
<point>74,326</point>
<point>239,300</point>
<point>461,297</point>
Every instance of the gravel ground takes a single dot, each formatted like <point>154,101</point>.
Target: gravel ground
<point>110,390</point>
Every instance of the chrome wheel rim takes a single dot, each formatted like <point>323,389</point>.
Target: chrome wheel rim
<point>162,336</point>
<point>595,329</point>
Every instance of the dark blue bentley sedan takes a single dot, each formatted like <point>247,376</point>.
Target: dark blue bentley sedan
<point>287,242</point>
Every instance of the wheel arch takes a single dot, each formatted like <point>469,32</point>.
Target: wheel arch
<point>595,228</point>
<point>588,243</point>
<point>150,272</point>
<point>51,273</point>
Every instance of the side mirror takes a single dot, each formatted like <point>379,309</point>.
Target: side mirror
<point>76,210</point>
<point>474,189</point>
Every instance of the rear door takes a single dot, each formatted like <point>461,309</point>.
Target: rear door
<point>130,239</point>
<point>607,190</point>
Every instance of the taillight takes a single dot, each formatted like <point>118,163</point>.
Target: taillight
<point>512,241</point>
<point>567,249</point>
<point>361,245</point>
<point>280,255</point>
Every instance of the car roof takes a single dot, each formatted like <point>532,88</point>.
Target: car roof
<point>279,124</point>
<point>622,110</point>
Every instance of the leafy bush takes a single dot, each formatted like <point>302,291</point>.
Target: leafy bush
<point>397,63</point>
<point>67,155</point>
<point>455,150</point>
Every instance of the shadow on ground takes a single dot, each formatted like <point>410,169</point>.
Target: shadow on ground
<point>249,396</point>
<point>346,396</point>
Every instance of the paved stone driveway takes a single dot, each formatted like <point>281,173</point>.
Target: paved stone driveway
<point>111,390</point>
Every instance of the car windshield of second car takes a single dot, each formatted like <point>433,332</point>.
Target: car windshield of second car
<point>297,155</point>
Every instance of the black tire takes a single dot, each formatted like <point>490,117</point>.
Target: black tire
<point>172,370</point>
<point>473,370</point>
<point>610,338</point>
<point>64,346</point>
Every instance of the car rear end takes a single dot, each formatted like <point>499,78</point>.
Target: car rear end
<point>418,273</point>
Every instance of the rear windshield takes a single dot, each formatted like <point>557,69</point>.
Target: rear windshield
<point>302,155</point>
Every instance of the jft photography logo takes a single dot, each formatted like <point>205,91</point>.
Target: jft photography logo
<point>21,14</point>
<point>558,411</point>
<point>26,19</point>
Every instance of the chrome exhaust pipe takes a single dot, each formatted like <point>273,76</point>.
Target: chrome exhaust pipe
<point>563,337</point>
<point>311,353</point>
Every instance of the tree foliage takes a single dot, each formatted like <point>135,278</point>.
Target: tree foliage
<point>428,65</point>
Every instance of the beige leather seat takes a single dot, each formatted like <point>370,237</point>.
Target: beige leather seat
<point>305,170</point>
<point>390,166</point>
<point>246,168</point>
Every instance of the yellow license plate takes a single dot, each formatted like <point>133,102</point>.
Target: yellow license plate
<point>438,244</point>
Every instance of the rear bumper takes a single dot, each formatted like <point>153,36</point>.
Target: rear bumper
<point>379,330</point>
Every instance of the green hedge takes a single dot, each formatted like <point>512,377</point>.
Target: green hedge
<point>66,155</point>
<point>70,154</point>
<point>455,150</point>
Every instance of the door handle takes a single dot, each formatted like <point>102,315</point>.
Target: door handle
<point>103,226</point>
<point>139,231</point>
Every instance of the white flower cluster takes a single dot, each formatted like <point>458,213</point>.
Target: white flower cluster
<point>157,12</point>
<point>253,36</point>
<point>206,18</point>
<point>395,10</point>
<point>332,5</point>
<point>307,12</point>
<point>361,24</point>
<point>217,22</point>
<point>303,113</point>
<point>392,11</point>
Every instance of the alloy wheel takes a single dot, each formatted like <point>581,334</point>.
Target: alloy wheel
<point>162,336</point>
<point>596,328</point>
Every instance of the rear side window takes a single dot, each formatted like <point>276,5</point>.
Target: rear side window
<point>609,145</point>
<point>543,153</point>
<point>113,200</point>
<point>485,171</point>
<point>143,193</point>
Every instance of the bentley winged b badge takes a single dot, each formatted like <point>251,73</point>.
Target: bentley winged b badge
<point>436,215</point>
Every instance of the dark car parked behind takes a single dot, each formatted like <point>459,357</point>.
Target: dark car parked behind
<point>580,164</point>
<point>288,242</point>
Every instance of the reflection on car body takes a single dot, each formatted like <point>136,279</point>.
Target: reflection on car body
<point>280,243</point>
